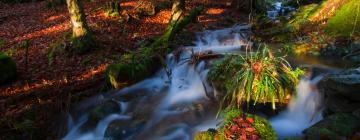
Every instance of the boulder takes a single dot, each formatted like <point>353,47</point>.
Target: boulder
<point>123,129</point>
<point>237,125</point>
<point>7,69</point>
<point>345,84</point>
<point>336,126</point>
<point>340,104</point>
<point>145,8</point>
<point>103,110</point>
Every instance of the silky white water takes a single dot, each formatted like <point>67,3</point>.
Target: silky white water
<point>303,111</point>
<point>178,101</point>
<point>175,99</point>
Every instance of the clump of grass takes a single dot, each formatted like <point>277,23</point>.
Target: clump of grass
<point>258,77</point>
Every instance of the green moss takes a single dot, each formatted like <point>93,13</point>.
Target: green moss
<point>146,61</point>
<point>206,135</point>
<point>112,9</point>
<point>7,69</point>
<point>337,125</point>
<point>346,21</point>
<point>262,126</point>
<point>301,17</point>
<point>131,69</point>
<point>82,44</point>
<point>102,110</point>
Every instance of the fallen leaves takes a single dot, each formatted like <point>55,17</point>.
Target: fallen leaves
<point>241,129</point>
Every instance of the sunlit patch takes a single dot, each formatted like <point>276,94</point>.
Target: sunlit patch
<point>47,31</point>
<point>215,11</point>
<point>161,18</point>
<point>54,18</point>
<point>130,3</point>
<point>44,83</point>
<point>92,72</point>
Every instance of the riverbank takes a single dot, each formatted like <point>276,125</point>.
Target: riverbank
<point>52,84</point>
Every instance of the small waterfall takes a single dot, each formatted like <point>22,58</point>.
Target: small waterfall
<point>178,101</point>
<point>175,102</point>
<point>303,111</point>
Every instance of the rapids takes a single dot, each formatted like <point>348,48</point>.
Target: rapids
<point>178,101</point>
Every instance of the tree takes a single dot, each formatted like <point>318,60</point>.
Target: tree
<point>81,37</point>
<point>177,11</point>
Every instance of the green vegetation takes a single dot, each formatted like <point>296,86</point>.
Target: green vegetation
<point>263,128</point>
<point>136,66</point>
<point>301,17</point>
<point>206,135</point>
<point>337,125</point>
<point>260,77</point>
<point>346,21</point>
<point>7,69</point>
<point>112,9</point>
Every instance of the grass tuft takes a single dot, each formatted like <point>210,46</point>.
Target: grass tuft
<point>260,77</point>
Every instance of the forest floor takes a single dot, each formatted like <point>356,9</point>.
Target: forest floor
<point>48,85</point>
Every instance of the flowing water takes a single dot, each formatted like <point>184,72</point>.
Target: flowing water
<point>178,101</point>
<point>303,110</point>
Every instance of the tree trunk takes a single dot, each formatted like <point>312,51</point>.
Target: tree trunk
<point>81,38</point>
<point>177,11</point>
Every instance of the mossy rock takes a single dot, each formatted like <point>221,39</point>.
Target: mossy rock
<point>301,18</point>
<point>103,110</point>
<point>262,127</point>
<point>205,135</point>
<point>333,127</point>
<point>124,74</point>
<point>346,21</point>
<point>7,69</point>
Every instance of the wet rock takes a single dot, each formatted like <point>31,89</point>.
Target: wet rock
<point>7,69</point>
<point>334,127</point>
<point>104,109</point>
<point>346,84</point>
<point>145,8</point>
<point>342,91</point>
<point>122,129</point>
<point>341,104</point>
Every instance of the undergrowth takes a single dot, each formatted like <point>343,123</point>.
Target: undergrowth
<point>260,77</point>
<point>262,126</point>
<point>346,21</point>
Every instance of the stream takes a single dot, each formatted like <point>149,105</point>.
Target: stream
<point>178,101</point>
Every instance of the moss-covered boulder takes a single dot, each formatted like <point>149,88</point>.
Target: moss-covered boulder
<point>205,135</point>
<point>237,125</point>
<point>345,84</point>
<point>342,91</point>
<point>103,110</point>
<point>131,70</point>
<point>346,21</point>
<point>7,69</point>
<point>334,127</point>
